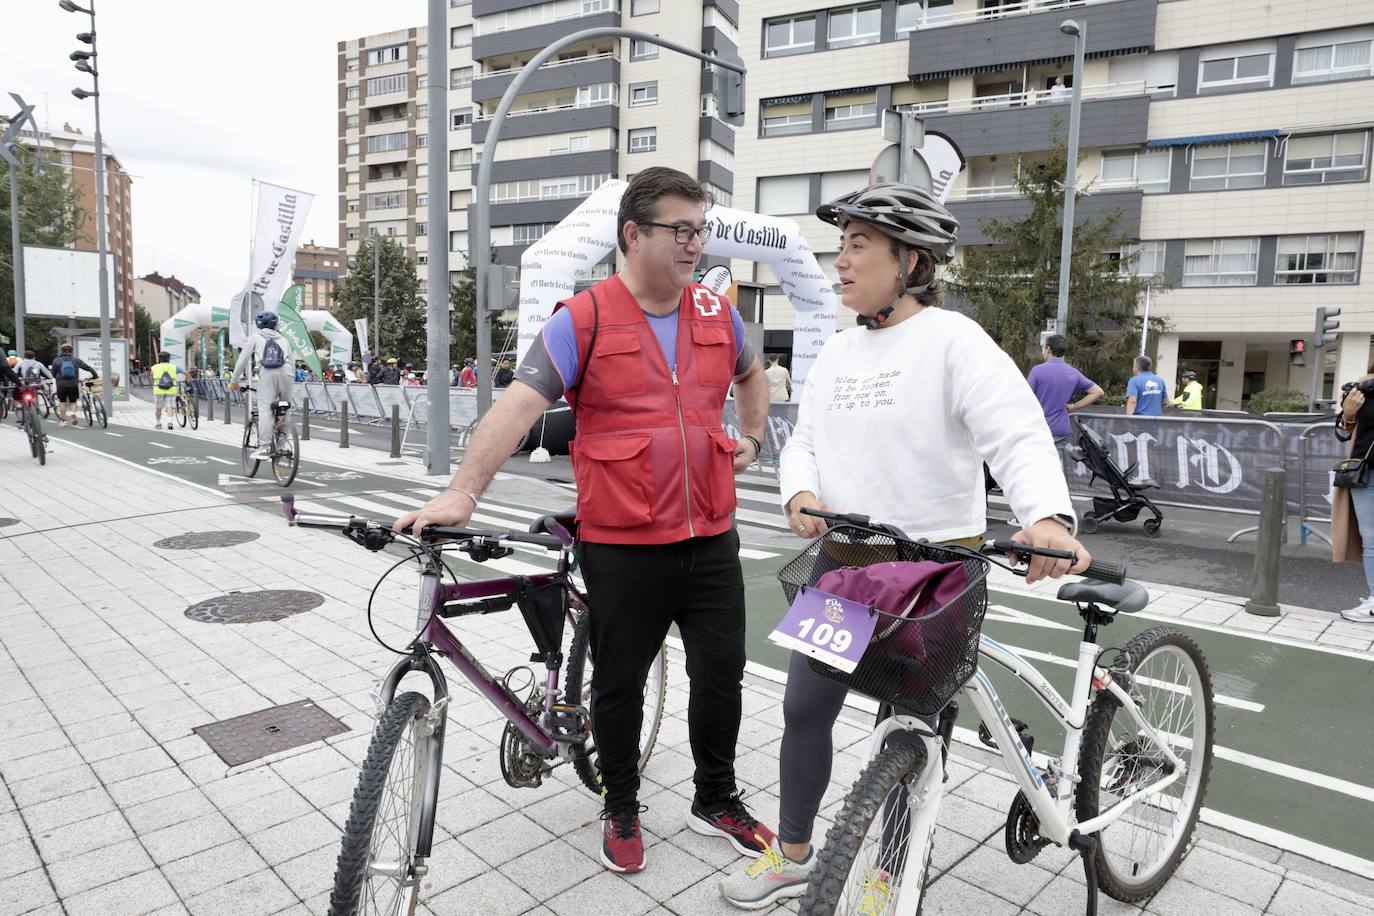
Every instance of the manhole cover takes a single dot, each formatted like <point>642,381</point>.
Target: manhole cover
<point>199,540</point>
<point>268,731</point>
<point>254,607</point>
<point>6,522</point>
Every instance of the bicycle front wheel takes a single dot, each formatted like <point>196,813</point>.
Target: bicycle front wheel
<point>86,409</point>
<point>193,415</point>
<point>376,870</point>
<point>579,693</point>
<point>181,413</point>
<point>250,447</point>
<point>1172,688</point>
<point>100,417</point>
<point>286,453</point>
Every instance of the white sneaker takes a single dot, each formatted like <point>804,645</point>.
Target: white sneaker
<point>767,879</point>
<point>1362,612</point>
<point>262,454</point>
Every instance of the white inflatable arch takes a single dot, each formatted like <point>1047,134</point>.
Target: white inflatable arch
<point>197,315</point>
<point>550,267</point>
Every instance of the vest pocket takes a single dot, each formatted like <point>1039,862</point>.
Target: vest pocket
<point>722,470</point>
<point>714,355</point>
<point>617,364</point>
<point>614,481</point>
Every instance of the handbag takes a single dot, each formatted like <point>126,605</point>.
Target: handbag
<point>1353,473</point>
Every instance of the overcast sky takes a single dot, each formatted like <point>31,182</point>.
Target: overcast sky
<point>197,100</point>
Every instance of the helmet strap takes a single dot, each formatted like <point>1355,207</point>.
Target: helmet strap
<point>879,318</point>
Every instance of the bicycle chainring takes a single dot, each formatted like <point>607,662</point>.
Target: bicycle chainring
<point>1023,838</point>
<point>522,766</point>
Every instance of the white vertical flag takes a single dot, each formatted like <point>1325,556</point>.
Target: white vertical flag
<point>281,219</point>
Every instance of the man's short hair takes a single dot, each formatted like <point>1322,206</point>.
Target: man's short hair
<point>29,354</point>
<point>775,357</point>
<point>639,203</point>
<point>1143,364</point>
<point>1058,344</point>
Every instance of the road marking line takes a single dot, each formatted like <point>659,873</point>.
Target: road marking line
<point>1011,615</point>
<point>116,435</point>
<point>367,505</point>
<point>220,460</point>
<point>143,467</point>
<point>750,554</point>
<point>1278,768</point>
<point>764,519</point>
<point>160,444</point>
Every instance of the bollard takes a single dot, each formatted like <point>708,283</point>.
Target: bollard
<point>209,410</point>
<point>227,411</point>
<point>1264,586</point>
<point>305,422</point>
<point>343,425</point>
<point>395,430</point>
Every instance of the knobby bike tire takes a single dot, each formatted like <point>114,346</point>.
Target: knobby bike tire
<point>246,459</point>
<point>894,765</point>
<point>100,414</point>
<point>193,415</point>
<point>578,693</point>
<point>350,895</point>
<point>1097,744</point>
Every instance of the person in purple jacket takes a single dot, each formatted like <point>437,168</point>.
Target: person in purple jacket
<point>1061,389</point>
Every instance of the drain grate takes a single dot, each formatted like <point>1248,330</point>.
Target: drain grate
<point>6,522</point>
<point>200,540</point>
<point>254,607</point>
<point>268,731</point>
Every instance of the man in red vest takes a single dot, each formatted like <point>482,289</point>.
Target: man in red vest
<point>645,359</point>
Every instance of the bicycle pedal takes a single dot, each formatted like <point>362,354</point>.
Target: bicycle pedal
<point>568,723</point>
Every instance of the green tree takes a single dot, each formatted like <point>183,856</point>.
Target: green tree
<point>1013,284</point>
<point>402,308</point>
<point>49,214</point>
<point>144,328</point>
<point>463,323</point>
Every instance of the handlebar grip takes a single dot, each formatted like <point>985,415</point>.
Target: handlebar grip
<point>1026,550</point>
<point>1103,571</point>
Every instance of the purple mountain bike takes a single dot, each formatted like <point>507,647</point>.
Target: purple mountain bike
<point>388,836</point>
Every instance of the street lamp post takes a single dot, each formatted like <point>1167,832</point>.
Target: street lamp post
<point>9,145</point>
<point>1080,42</point>
<point>87,62</point>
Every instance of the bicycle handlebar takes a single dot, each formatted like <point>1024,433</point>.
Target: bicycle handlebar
<point>431,533</point>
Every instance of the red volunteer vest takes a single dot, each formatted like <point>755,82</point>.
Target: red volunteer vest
<point>652,463</point>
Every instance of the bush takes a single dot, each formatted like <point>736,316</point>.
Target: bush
<point>1277,400</point>
<point>1112,400</point>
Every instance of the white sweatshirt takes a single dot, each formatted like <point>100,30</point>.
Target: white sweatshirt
<point>896,423</point>
<point>253,353</point>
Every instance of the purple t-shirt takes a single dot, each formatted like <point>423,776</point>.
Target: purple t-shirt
<point>1055,384</point>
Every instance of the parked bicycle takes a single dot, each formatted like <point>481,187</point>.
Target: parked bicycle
<point>1124,793</point>
<point>387,838</point>
<point>284,449</point>
<point>92,407</point>
<point>186,408</point>
<point>30,397</point>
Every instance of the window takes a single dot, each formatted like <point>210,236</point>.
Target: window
<point>389,200</point>
<point>353,92</point>
<point>460,36</point>
<point>643,7</point>
<point>1149,263</point>
<point>420,259</point>
<point>596,96</point>
<point>352,237</point>
<point>1220,262</point>
<point>421,228</point>
<point>352,178</point>
<point>351,64</point>
<point>421,112</point>
<point>506,192</point>
<point>916,14</point>
<point>422,200</point>
<point>860,25</point>
<point>643,94</point>
<point>1238,70</point>
<point>421,52</point>
<point>711,151</point>
<point>381,143</point>
<point>789,36</point>
<point>579,143</point>
<point>530,233</point>
<point>352,205</point>
<point>382,85</point>
<point>785,195</point>
<point>459,200</point>
<point>1144,169</point>
<point>1236,165</point>
<point>1326,158</point>
<point>460,118</point>
<point>421,140</point>
<point>422,81</point>
<point>67,160</point>
<point>460,78</point>
<point>710,106</point>
<point>458,241</point>
<point>459,159</point>
<point>1337,60</point>
<point>783,125</point>
<point>351,121</point>
<point>386,55</point>
<point>718,194</point>
<point>642,50</point>
<point>861,114</point>
<point>643,140</point>
<point>351,149</point>
<point>1318,258</point>
<point>835,184</point>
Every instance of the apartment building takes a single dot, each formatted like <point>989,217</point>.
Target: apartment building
<point>162,297</point>
<point>1232,137</point>
<point>317,268</point>
<point>600,109</point>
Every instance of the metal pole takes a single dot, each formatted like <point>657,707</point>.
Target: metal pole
<point>1145,322</point>
<point>7,149</point>
<point>1080,43</point>
<point>376,294</point>
<point>1318,370</point>
<point>480,230</point>
<point>102,239</point>
<point>437,315</point>
<point>1264,588</point>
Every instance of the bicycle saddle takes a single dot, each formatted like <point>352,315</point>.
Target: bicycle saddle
<point>1128,597</point>
<point>550,524</point>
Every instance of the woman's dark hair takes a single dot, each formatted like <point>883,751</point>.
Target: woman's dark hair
<point>639,203</point>
<point>922,276</point>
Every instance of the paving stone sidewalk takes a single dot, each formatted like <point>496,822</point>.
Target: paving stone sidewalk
<point>110,805</point>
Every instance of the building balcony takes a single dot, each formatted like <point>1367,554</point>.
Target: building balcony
<point>589,71</point>
<point>990,130</point>
<point>1026,31</point>
<point>593,162</point>
<point>974,205</point>
<point>552,120</point>
<point>536,37</point>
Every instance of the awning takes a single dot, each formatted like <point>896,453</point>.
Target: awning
<point>786,100</point>
<point>1015,65</point>
<point>1203,139</point>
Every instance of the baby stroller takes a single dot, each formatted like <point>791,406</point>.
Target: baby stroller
<point>1127,499</point>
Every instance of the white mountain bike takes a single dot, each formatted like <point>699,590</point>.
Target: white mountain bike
<point>1125,792</point>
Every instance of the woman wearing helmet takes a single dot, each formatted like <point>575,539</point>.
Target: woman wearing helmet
<point>273,356</point>
<point>896,420</point>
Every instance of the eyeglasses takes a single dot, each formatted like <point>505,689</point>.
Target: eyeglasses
<point>683,234</point>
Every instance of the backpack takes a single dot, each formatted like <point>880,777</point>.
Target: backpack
<point>68,369</point>
<point>166,381</point>
<point>272,355</point>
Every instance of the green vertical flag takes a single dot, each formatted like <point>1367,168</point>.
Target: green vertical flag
<point>292,327</point>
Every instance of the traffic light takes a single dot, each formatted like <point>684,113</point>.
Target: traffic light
<point>1327,325</point>
<point>729,91</point>
<point>1297,352</point>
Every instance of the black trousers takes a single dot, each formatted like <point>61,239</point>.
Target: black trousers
<point>635,593</point>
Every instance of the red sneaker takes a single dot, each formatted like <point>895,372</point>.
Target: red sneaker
<point>622,845</point>
<point>731,820</point>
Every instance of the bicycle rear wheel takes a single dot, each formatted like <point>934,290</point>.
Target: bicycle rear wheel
<point>870,853</point>
<point>1172,688</point>
<point>100,417</point>
<point>286,453</point>
<point>193,415</point>
<point>38,446</point>
<point>250,446</point>
<point>579,693</point>
<point>377,867</point>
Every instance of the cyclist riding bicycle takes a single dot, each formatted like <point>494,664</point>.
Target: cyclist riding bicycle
<point>274,357</point>
<point>164,375</point>
<point>896,420</point>
<point>31,371</point>
<point>67,369</point>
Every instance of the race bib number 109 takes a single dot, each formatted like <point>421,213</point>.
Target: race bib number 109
<point>826,627</point>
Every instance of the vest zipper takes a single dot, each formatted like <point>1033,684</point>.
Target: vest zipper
<point>686,471</point>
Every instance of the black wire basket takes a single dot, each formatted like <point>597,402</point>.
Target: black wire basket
<point>916,664</point>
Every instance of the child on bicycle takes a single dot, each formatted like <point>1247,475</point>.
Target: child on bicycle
<point>896,420</point>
